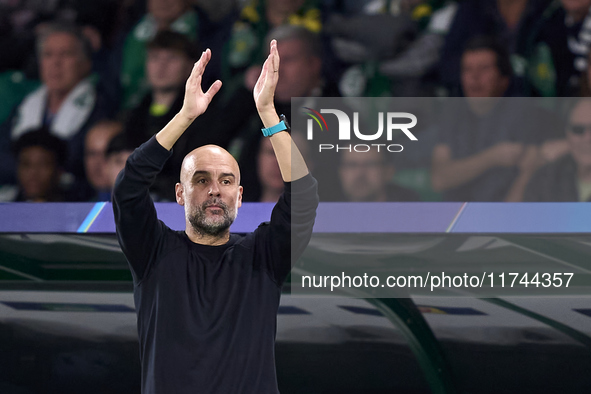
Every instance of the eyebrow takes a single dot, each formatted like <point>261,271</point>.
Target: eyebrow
<point>223,175</point>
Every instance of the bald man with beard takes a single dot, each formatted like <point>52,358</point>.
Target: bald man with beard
<point>207,299</point>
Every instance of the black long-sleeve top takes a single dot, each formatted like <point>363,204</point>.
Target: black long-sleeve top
<point>207,315</point>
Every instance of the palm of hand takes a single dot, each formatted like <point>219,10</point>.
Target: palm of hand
<point>264,89</point>
<point>196,102</point>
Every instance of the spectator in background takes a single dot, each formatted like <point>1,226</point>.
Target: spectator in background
<point>514,23</point>
<point>14,87</point>
<point>486,69</point>
<point>68,102</point>
<point>245,50</point>
<point>390,48</point>
<point>300,75</point>
<point>418,61</point>
<point>268,173</point>
<point>175,15</point>
<point>367,177</point>
<point>120,147</point>
<point>559,61</point>
<point>578,25</point>
<point>559,45</point>
<point>569,177</point>
<point>95,163</point>
<point>487,146</point>
<point>22,20</point>
<point>585,82</point>
<point>40,161</point>
<point>170,58</point>
<point>559,64</point>
<point>218,10</point>
<point>18,19</point>
<point>268,184</point>
<point>301,66</point>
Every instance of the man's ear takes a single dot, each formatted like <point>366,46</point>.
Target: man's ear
<point>240,190</point>
<point>180,194</point>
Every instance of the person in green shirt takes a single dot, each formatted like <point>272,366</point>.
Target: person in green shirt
<point>245,50</point>
<point>174,15</point>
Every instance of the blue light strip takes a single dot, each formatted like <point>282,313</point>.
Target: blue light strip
<point>92,215</point>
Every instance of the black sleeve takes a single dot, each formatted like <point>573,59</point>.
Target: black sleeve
<point>286,237</point>
<point>138,229</point>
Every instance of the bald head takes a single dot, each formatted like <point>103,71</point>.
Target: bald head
<point>209,158</point>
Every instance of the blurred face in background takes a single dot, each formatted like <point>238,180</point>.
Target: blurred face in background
<point>285,6</point>
<point>38,173</point>
<point>268,168</point>
<point>167,11</point>
<point>481,76</point>
<point>299,71</point>
<point>115,163</point>
<point>364,176</point>
<point>167,69</point>
<point>577,9</point>
<point>578,134</point>
<point>63,63</point>
<point>95,146</point>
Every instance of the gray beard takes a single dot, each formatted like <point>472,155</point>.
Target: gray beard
<point>205,226</point>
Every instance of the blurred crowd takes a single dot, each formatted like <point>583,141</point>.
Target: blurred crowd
<point>83,83</point>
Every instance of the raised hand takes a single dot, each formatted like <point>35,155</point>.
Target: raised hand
<point>264,90</point>
<point>196,102</point>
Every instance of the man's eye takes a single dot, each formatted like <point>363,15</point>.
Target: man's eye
<point>201,181</point>
<point>226,182</point>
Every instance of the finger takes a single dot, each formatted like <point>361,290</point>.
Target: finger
<point>191,81</point>
<point>259,83</point>
<point>263,76</point>
<point>203,60</point>
<point>194,81</point>
<point>196,71</point>
<point>213,89</point>
<point>193,72</point>
<point>275,55</point>
<point>266,69</point>
<point>206,57</point>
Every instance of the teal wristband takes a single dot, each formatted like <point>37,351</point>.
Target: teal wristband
<point>281,126</point>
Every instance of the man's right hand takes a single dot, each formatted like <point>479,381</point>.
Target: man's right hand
<point>196,102</point>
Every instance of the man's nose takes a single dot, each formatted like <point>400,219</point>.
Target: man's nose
<point>214,190</point>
